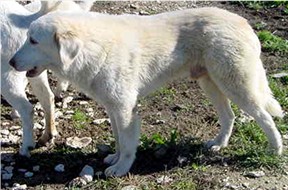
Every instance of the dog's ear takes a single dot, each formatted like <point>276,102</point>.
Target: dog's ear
<point>69,45</point>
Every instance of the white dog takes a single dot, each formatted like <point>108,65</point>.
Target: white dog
<point>117,59</point>
<point>14,22</point>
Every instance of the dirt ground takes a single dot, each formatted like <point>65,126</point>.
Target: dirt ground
<point>195,121</point>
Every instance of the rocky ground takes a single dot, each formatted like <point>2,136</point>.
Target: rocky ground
<point>176,121</point>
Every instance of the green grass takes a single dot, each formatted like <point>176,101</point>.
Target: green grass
<point>279,88</point>
<point>258,5</point>
<point>273,43</point>
<point>80,119</point>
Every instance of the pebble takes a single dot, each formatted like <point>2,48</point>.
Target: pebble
<point>89,110</point>
<point>58,114</point>
<point>70,112</point>
<point>28,174</point>
<point>129,187</point>
<point>37,106</point>
<point>255,174</point>
<point>280,75</point>
<point>6,176</point>
<point>100,121</point>
<point>58,104</point>
<point>159,121</point>
<point>59,168</point>
<point>246,185</point>
<point>22,170</point>
<point>75,142</point>
<point>164,179</point>
<point>14,127</point>
<point>83,102</point>
<point>5,123</point>
<point>66,101</point>
<point>36,168</point>
<point>231,186</point>
<point>19,133</point>
<point>87,172</point>
<point>5,132</point>
<point>38,126</point>
<point>9,169</point>
<point>103,148</point>
<point>17,186</point>
<point>143,12</point>
<point>77,182</point>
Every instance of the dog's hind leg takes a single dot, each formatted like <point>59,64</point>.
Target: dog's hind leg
<point>41,89</point>
<point>13,90</point>
<point>128,126</point>
<point>226,115</point>
<point>246,88</point>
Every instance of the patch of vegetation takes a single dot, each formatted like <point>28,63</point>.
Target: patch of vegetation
<point>280,90</point>
<point>257,5</point>
<point>80,119</point>
<point>273,43</point>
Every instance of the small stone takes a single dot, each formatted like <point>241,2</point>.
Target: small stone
<point>87,170</point>
<point>58,114</point>
<point>231,186</point>
<point>164,179</point>
<point>5,123</point>
<point>103,148</point>
<point>6,176</point>
<point>70,112</point>
<point>89,110</point>
<point>37,106</point>
<point>15,127</point>
<point>246,185</point>
<point>58,104</point>
<point>22,170</point>
<point>159,122</point>
<point>38,126</point>
<point>280,75</point>
<point>77,182</point>
<point>83,102</point>
<point>36,168</point>
<point>59,168</point>
<point>100,121</point>
<point>5,132</point>
<point>66,101</point>
<point>133,6</point>
<point>28,174</point>
<point>9,169</point>
<point>17,186</point>
<point>143,12</point>
<point>19,133</point>
<point>255,174</point>
<point>129,187</point>
<point>13,139</point>
<point>87,178</point>
<point>75,142</point>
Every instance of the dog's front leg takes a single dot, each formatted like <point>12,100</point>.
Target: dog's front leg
<point>113,158</point>
<point>128,127</point>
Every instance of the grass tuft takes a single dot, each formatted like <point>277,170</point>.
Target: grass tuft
<point>273,43</point>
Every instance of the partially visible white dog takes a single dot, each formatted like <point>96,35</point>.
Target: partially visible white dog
<point>14,22</point>
<point>117,59</point>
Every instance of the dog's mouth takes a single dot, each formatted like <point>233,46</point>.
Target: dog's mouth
<point>34,72</point>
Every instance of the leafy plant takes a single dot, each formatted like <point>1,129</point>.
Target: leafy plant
<point>272,42</point>
<point>80,119</point>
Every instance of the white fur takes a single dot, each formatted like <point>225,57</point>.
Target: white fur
<point>117,59</point>
<point>14,22</point>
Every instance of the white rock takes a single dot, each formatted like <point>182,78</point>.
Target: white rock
<point>17,186</point>
<point>87,170</point>
<point>58,114</point>
<point>78,181</point>
<point>280,75</point>
<point>76,142</point>
<point>36,168</point>
<point>129,187</point>
<point>66,101</point>
<point>164,179</point>
<point>13,139</point>
<point>59,168</point>
<point>58,104</point>
<point>22,170</point>
<point>89,110</point>
<point>255,174</point>
<point>83,102</point>
<point>19,133</point>
<point>5,123</point>
<point>159,121</point>
<point>100,121</point>
<point>69,112</point>
<point>5,132</point>
<point>38,126</point>
<point>6,176</point>
<point>87,178</point>
<point>9,169</point>
<point>14,127</point>
<point>28,174</point>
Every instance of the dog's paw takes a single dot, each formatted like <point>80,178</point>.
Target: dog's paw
<point>116,170</point>
<point>214,146</point>
<point>25,149</point>
<point>111,159</point>
<point>45,138</point>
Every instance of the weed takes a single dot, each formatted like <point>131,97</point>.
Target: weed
<point>271,42</point>
<point>80,119</point>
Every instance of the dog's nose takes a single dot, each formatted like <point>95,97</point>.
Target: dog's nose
<point>12,62</point>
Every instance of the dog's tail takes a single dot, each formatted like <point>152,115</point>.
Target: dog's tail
<point>271,105</point>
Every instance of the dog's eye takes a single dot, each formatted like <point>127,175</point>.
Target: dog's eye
<point>32,41</point>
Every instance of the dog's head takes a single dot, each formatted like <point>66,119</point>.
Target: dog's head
<point>49,45</point>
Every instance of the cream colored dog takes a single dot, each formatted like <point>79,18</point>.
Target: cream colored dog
<point>117,59</point>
